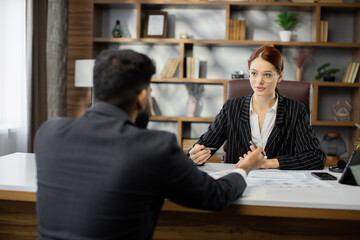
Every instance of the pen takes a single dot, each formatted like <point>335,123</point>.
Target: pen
<point>210,148</point>
<point>251,142</point>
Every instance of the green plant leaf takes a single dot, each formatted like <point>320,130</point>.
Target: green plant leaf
<point>286,19</point>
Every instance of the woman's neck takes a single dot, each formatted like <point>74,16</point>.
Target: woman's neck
<point>263,103</point>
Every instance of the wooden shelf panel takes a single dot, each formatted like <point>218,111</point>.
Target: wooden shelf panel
<point>188,80</point>
<point>332,123</point>
<point>335,84</point>
<point>181,119</point>
<point>224,42</point>
<point>244,3</point>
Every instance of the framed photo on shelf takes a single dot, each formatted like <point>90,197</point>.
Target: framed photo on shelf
<point>155,24</point>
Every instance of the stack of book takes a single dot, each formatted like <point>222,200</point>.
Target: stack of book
<point>304,1</point>
<point>192,67</point>
<point>323,31</point>
<point>261,0</point>
<point>330,1</point>
<point>237,29</point>
<point>169,68</point>
<point>351,72</point>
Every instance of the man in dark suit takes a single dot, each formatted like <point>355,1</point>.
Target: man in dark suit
<point>103,176</point>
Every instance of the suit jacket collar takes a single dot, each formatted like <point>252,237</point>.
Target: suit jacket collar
<point>108,109</point>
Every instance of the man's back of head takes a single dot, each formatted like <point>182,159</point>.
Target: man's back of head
<point>119,75</point>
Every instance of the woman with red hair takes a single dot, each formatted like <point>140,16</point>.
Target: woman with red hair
<point>278,124</point>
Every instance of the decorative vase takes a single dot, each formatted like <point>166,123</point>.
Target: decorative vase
<point>298,74</point>
<point>191,106</point>
<point>117,31</point>
<point>328,78</point>
<point>333,146</point>
<point>285,36</point>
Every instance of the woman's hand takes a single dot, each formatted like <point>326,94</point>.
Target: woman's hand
<point>199,155</point>
<point>268,163</point>
<point>252,160</point>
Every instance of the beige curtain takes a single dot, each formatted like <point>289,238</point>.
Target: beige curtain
<point>49,62</point>
<point>56,51</point>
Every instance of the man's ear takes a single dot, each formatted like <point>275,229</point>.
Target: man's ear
<point>141,99</point>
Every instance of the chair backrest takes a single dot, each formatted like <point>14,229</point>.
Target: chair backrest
<point>300,91</point>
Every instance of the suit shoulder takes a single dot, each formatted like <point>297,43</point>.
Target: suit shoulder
<point>53,124</point>
<point>296,104</point>
<point>236,100</point>
<point>158,138</point>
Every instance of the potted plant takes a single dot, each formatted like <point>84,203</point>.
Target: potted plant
<point>287,20</point>
<point>325,73</point>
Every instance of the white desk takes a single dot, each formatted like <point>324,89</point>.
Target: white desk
<point>339,197</point>
<point>329,213</point>
<point>18,172</point>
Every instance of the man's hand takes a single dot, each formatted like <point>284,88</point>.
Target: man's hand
<point>199,155</point>
<point>252,160</point>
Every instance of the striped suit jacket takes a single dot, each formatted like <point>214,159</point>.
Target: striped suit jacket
<point>292,140</point>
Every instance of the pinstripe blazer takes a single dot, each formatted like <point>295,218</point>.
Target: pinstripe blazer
<point>292,140</point>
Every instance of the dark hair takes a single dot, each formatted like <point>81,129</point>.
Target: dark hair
<point>119,75</point>
<point>271,55</point>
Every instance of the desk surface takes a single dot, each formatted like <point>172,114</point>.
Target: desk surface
<point>341,196</point>
<point>18,182</point>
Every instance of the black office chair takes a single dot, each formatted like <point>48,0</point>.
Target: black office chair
<point>300,91</point>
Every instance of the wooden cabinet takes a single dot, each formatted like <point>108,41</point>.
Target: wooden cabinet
<point>207,24</point>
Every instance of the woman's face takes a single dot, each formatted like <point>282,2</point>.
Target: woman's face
<point>263,77</point>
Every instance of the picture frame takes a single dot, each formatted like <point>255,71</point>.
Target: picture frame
<point>155,24</point>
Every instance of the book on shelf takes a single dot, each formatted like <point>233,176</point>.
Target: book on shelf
<point>304,1</point>
<point>165,69</point>
<point>324,28</point>
<point>237,29</point>
<point>330,1</point>
<point>192,67</point>
<point>348,69</point>
<point>169,68</point>
<point>231,29</point>
<point>351,72</point>
<point>261,0</point>
<point>188,67</point>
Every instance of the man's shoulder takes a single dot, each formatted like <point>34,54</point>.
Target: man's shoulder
<point>58,121</point>
<point>157,135</point>
<point>53,124</point>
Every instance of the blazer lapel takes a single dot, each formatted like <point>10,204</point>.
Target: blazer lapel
<point>280,114</point>
<point>244,128</point>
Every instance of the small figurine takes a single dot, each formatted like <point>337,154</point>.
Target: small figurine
<point>341,110</point>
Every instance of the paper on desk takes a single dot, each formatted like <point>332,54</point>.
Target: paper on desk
<point>278,174</point>
<point>278,179</point>
<point>219,174</point>
<point>287,183</point>
<point>269,174</point>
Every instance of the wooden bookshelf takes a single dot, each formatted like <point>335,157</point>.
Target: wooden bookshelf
<point>86,40</point>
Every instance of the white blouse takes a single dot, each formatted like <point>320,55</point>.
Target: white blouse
<point>261,137</point>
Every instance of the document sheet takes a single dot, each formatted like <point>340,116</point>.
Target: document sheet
<point>272,178</point>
